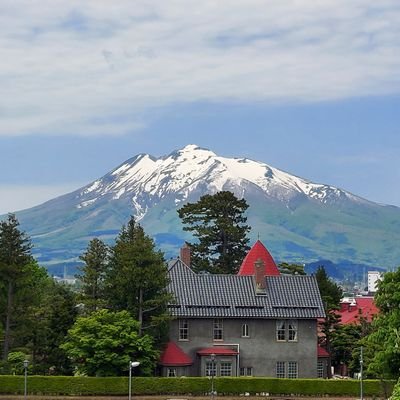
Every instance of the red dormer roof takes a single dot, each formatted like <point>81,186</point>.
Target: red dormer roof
<point>174,356</point>
<point>256,252</point>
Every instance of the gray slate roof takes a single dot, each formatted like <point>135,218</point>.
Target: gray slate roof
<point>233,296</point>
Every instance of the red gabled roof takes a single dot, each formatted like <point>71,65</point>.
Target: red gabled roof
<point>256,252</point>
<point>217,350</point>
<point>364,307</point>
<point>173,355</point>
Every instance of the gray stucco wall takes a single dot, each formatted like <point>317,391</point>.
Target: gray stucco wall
<point>260,350</point>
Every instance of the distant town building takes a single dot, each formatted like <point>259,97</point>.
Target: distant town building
<point>354,309</point>
<point>373,279</point>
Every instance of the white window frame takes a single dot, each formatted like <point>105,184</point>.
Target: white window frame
<point>225,368</point>
<point>171,373</point>
<point>280,369</point>
<point>245,331</point>
<point>292,327</point>
<point>320,369</point>
<point>218,329</point>
<point>281,330</point>
<point>292,370</point>
<point>210,367</point>
<point>287,330</point>
<point>183,330</point>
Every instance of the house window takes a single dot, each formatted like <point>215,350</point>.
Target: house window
<point>218,329</point>
<point>225,369</point>
<point>292,331</point>
<point>171,372</point>
<point>211,368</point>
<point>320,369</point>
<point>245,330</point>
<point>286,330</point>
<point>280,369</point>
<point>183,329</point>
<point>292,369</point>
<point>246,371</point>
<point>280,330</point>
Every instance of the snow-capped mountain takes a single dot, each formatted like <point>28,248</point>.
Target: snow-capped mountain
<point>298,220</point>
<point>147,180</point>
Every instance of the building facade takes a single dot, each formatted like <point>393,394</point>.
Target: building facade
<point>256,323</point>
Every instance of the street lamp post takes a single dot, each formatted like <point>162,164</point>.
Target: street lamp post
<point>212,375</point>
<point>132,364</point>
<point>26,363</point>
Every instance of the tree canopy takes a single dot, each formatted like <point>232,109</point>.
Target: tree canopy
<point>15,255</point>
<point>384,342</point>
<point>218,223</point>
<point>103,343</point>
<point>137,278</point>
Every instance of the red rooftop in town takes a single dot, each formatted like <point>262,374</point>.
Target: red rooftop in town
<point>359,307</point>
<point>258,251</point>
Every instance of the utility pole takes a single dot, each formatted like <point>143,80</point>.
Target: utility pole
<point>361,374</point>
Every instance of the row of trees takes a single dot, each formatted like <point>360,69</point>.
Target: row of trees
<point>120,311</point>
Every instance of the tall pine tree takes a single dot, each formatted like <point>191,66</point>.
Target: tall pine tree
<point>218,222</point>
<point>137,279</point>
<point>15,255</point>
<point>92,274</point>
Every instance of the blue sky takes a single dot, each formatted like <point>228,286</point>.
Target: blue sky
<point>312,88</point>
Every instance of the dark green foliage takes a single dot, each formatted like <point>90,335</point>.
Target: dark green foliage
<point>15,255</point>
<point>219,225</point>
<point>192,386</point>
<point>291,269</point>
<point>54,316</point>
<point>383,345</point>
<point>92,274</point>
<point>103,343</point>
<point>137,279</point>
<point>331,294</point>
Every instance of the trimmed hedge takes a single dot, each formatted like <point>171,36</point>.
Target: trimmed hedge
<point>65,385</point>
<point>396,392</point>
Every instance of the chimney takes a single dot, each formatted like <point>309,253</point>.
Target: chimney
<point>185,254</point>
<point>261,286</point>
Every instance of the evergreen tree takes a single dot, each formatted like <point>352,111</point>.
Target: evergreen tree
<point>137,279</point>
<point>291,269</point>
<point>93,274</point>
<point>15,255</point>
<point>219,225</point>
<point>55,315</point>
<point>331,294</point>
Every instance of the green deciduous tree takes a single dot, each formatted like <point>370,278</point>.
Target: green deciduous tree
<point>137,279</point>
<point>92,274</point>
<point>103,343</point>
<point>15,254</point>
<point>385,338</point>
<point>218,222</point>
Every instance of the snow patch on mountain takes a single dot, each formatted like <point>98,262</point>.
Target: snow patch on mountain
<point>145,180</point>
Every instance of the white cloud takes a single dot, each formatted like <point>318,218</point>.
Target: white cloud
<point>19,197</point>
<point>91,67</point>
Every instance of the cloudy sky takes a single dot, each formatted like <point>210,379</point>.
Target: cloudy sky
<point>311,87</point>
